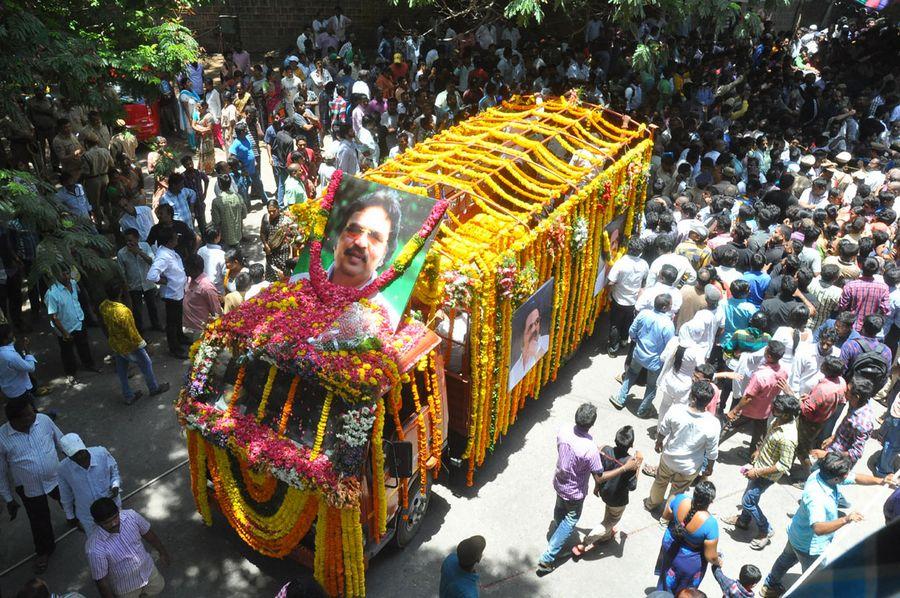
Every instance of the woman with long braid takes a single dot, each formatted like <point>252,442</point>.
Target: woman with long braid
<point>690,542</point>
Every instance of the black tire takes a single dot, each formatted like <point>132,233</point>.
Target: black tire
<point>417,509</point>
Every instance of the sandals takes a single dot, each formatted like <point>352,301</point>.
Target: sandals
<point>649,470</point>
<point>760,543</point>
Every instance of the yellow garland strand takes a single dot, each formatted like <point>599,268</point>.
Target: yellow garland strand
<point>320,429</point>
<point>378,490</point>
<point>267,390</point>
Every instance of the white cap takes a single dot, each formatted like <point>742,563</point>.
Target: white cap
<point>71,443</point>
<point>843,157</point>
<point>807,160</point>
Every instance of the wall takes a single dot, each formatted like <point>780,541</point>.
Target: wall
<point>266,25</point>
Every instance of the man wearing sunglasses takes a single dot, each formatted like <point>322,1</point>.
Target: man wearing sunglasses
<point>369,228</point>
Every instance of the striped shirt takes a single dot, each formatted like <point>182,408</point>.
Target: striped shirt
<point>80,487</point>
<point>854,431</point>
<point>29,458</point>
<point>121,557</point>
<point>777,449</point>
<point>828,297</point>
<point>578,458</point>
<point>865,296</point>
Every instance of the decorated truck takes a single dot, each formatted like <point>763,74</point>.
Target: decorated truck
<point>434,294</point>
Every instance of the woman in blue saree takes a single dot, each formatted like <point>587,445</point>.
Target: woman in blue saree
<point>691,540</point>
<point>187,102</point>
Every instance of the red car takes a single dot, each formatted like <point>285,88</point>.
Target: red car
<point>142,118</point>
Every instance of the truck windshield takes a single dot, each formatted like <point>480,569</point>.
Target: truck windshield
<point>305,410</point>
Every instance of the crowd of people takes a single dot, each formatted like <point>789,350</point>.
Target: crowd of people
<point>765,272</point>
<point>764,269</point>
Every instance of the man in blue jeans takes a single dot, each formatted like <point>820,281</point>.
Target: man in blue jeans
<point>771,462</point>
<point>813,526</point>
<point>578,460</point>
<point>650,331</point>
<point>127,345</point>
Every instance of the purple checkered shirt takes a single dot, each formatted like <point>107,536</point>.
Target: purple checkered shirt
<point>864,297</point>
<point>578,458</point>
<point>854,431</point>
<point>121,557</point>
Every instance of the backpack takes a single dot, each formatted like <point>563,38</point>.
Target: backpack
<point>870,364</point>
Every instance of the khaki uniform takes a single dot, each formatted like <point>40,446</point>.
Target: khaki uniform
<point>95,166</point>
<point>65,148</point>
<point>102,133</point>
<point>124,143</point>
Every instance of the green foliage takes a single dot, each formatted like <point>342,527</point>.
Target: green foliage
<point>80,45</point>
<point>628,14</point>
<point>66,241</point>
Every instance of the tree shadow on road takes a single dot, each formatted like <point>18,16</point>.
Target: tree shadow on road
<point>533,413</point>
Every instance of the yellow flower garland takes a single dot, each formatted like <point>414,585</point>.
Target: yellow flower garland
<point>267,390</point>
<point>323,422</point>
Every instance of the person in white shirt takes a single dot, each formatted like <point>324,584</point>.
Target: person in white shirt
<point>592,30</point>
<point>816,196</point>
<point>290,86</point>
<point>794,335</point>
<point>665,246</point>
<point>135,258</point>
<point>139,218</point>
<point>213,258</point>
<point>626,276</point>
<point>29,459</point>
<point>167,270</point>
<point>511,34</point>
<point>486,35</point>
<point>367,145</point>
<point>726,269</point>
<point>806,371</point>
<point>346,157</point>
<point>578,71</point>
<point>339,24</point>
<point>686,436</point>
<point>665,284</point>
<point>84,476</point>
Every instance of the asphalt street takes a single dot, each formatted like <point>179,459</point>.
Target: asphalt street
<point>511,503</point>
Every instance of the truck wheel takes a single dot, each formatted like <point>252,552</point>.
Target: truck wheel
<point>408,527</point>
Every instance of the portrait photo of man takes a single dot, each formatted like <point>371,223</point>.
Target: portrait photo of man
<point>366,238</point>
<point>530,333</point>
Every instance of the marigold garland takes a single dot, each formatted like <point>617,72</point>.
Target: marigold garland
<point>197,460</point>
<point>236,390</point>
<point>274,535</point>
<point>323,422</point>
<point>267,390</point>
<point>378,489</point>
<point>288,406</point>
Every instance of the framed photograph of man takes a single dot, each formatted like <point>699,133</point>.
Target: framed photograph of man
<point>615,231</point>
<point>530,333</point>
<point>367,228</point>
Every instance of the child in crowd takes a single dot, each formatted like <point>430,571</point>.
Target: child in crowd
<point>742,587</point>
<point>617,481</point>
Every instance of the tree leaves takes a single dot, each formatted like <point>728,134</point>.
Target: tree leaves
<point>80,46</point>
<point>66,241</point>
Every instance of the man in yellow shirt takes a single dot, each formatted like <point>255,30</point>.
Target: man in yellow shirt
<point>127,345</point>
